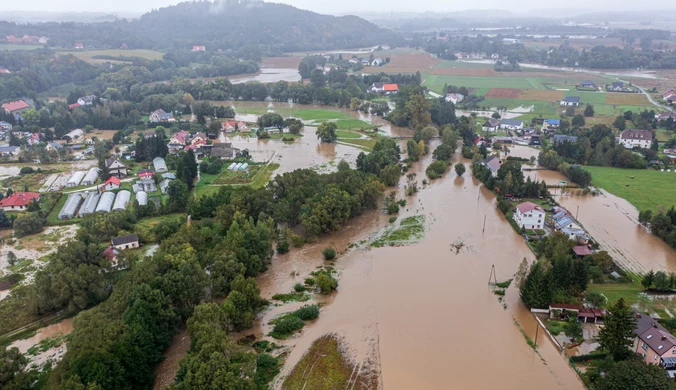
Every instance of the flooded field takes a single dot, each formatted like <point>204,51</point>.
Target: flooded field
<point>613,223</point>
<point>405,310</point>
<point>269,75</point>
<point>550,177</point>
<point>63,328</point>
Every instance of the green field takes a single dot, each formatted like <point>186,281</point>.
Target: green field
<point>436,82</point>
<point>88,55</point>
<point>8,46</point>
<point>353,124</point>
<point>648,190</point>
<point>588,97</point>
<point>257,176</point>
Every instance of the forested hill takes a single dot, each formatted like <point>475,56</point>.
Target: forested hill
<point>273,28</point>
<point>226,26</point>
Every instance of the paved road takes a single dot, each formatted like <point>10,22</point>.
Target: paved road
<point>650,98</point>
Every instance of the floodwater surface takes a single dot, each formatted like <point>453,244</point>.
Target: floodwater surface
<point>64,327</point>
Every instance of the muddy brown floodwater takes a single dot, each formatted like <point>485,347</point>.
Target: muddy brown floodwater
<point>613,223</point>
<point>422,315</point>
<point>64,327</point>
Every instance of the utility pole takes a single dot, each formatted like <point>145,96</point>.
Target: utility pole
<point>578,210</point>
<point>537,328</point>
<point>484,229</point>
<point>493,275</point>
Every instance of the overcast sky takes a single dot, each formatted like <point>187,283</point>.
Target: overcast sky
<point>342,6</point>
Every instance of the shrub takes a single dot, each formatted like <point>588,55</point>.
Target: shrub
<point>459,168</point>
<point>391,208</point>
<point>287,325</point>
<point>392,219</point>
<point>436,169</point>
<point>282,246</point>
<point>329,253</point>
<point>326,283</point>
<point>307,312</point>
<point>298,241</point>
<point>310,281</point>
<point>298,287</point>
<point>402,202</point>
<point>26,170</point>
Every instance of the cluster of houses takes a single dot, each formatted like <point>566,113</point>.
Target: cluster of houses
<point>493,124</point>
<point>669,96</point>
<point>365,61</point>
<point>26,40</point>
<point>529,215</point>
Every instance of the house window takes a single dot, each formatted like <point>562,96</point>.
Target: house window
<point>645,347</point>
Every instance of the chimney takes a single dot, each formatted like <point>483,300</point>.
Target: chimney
<point>664,337</point>
<point>655,325</point>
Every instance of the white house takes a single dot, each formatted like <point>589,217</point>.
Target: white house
<point>116,167</point>
<point>378,62</point>
<point>511,124</point>
<point>493,163</point>
<point>529,216</point>
<point>570,101</point>
<point>636,139</point>
<point>125,242</point>
<point>160,116</point>
<point>86,100</point>
<point>454,98</point>
<point>491,125</point>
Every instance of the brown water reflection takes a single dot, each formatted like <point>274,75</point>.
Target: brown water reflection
<point>613,223</point>
<point>550,177</point>
<point>64,327</point>
<point>422,313</point>
<point>167,369</point>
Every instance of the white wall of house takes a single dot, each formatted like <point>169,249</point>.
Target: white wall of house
<point>127,246</point>
<point>533,219</point>
<point>635,143</point>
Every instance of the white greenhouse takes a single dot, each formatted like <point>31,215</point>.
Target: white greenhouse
<point>159,164</point>
<point>89,205</point>
<point>105,202</point>
<point>70,207</point>
<point>90,177</point>
<point>121,200</point>
<point>75,178</point>
<point>142,198</point>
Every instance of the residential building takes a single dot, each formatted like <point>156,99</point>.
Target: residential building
<point>199,48</point>
<point>588,84</point>
<point>15,107</point>
<point>229,126</point>
<point>33,139</point>
<point>353,61</point>
<point>511,124</point>
<point>551,124</point>
<point>661,116</point>
<point>528,215</point>
<point>160,115</point>
<point>179,138</point>
<point>198,138</point>
<point>582,250</point>
<point>5,126</point>
<point>146,173</point>
<point>509,41</point>
<point>384,88</point>
<point>51,145</point>
<point>19,201</point>
<point>636,139</point>
<point>478,140</point>
<point>654,343</point>
<point>493,163</point>
<point>570,101</point>
<point>125,242</point>
<point>575,234</point>
<point>79,45</point>
<point>111,184</point>
<point>558,138</point>
<point>491,124</point>
<point>669,95</point>
<point>616,86</point>
<point>365,61</point>
<point>116,167</point>
<point>224,150</point>
<point>5,71</point>
<point>6,150</point>
<point>378,62</point>
<point>563,311</point>
<point>241,126</point>
<point>86,100</point>
<point>455,98</point>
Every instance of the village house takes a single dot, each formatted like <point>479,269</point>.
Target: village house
<point>454,98</point>
<point>570,101</point>
<point>559,138</point>
<point>511,124</point>
<point>241,126</point>
<point>636,139</point>
<point>563,311</point>
<point>588,84</point>
<point>229,126</point>
<point>528,215</point>
<point>582,250</point>
<point>146,174</point>
<point>365,61</point>
<point>491,125</point>
<point>660,116</point>
<point>160,115</point>
<point>5,126</point>
<point>180,138</point>
<point>33,139</point>
<point>669,96</point>
<point>6,150</point>
<point>654,343</point>
<point>112,183</point>
<point>5,71</point>
<point>116,167</point>
<point>51,145</point>
<point>493,163</point>
<point>551,124</point>
<point>384,88</point>
<point>19,201</point>
<point>616,86</point>
<point>79,45</point>
<point>224,150</point>
<point>125,242</point>
<point>16,107</point>
<point>86,100</point>
<point>478,140</point>
<point>199,48</point>
<point>198,138</point>
<point>353,61</point>
<point>378,62</point>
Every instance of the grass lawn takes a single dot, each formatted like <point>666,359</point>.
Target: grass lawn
<point>88,55</point>
<point>52,217</point>
<point>436,82</point>
<point>588,97</point>
<point>463,64</point>
<point>648,189</point>
<point>352,124</point>
<point>347,134</point>
<point>364,144</point>
<point>257,176</point>
<point>144,226</point>
<point>9,46</point>
<point>306,114</point>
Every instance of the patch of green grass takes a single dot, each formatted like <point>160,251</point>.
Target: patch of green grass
<point>264,175</point>
<point>364,144</point>
<point>436,82</point>
<point>325,367</point>
<point>47,344</point>
<point>648,190</point>
<point>409,230</point>
<point>630,292</point>
<point>555,327</point>
<point>588,97</point>
<point>10,46</point>
<point>291,297</point>
<point>463,65</point>
<point>352,124</point>
<point>342,134</point>
<point>53,216</point>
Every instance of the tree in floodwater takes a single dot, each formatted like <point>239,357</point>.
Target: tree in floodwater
<point>326,132</point>
<point>536,290</point>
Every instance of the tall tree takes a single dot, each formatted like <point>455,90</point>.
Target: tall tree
<point>617,336</point>
<point>419,107</point>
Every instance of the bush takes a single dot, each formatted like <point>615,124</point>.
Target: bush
<point>326,283</point>
<point>282,246</point>
<point>310,281</point>
<point>298,241</point>
<point>329,253</point>
<point>26,224</point>
<point>287,325</point>
<point>307,312</point>
<point>459,168</point>
<point>26,171</point>
<point>392,219</point>
<point>436,169</point>
<point>298,287</point>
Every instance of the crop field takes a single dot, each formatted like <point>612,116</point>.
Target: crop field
<point>508,93</point>
<point>88,55</point>
<point>627,99</point>
<point>588,97</point>
<point>436,82</point>
<point>544,95</point>
<point>281,62</point>
<point>463,64</point>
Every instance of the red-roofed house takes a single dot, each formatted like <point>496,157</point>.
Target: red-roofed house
<point>19,201</point>
<point>582,250</point>
<point>229,126</point>
<point>112,183</point>
<point>199,48</point>
<point>145,173</point>
<point>241,126</point>
<point>33,139</point>
<point>390,88</point>
<point>3,70</point>
<point>74,105</point>
<point>79,45</point>
<point>15,106</point>
<point>669,95</point>
<point>528,215</point>
<point>179,138</point>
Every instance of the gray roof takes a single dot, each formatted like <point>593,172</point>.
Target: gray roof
<point>492,122</point>
<point>169,176</point>
<point>122,240</point>
<point>564,138</point>
<point>652,333</point>
<point>70,207</point>
<point>9,149</point>
<point>511,122</point>
<point>89,204</point>
<point>637,134</point>
<point>91,176</point>
<point>572,99</point>
<point>223,150</point>
<point>493,163</point>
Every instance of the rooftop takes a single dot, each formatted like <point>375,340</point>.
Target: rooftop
<point>15,105</point>
<point>526,207</point>
<point>19,199</point>
<point>571,99</point>
<point>122,240</point>
<point>637,135</point>
<point>582,250</point>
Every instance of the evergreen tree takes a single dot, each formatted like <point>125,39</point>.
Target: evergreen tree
<point>536,290</point>
<point>617,336</point>
<point>648,279</point>
<point>580,276</point>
